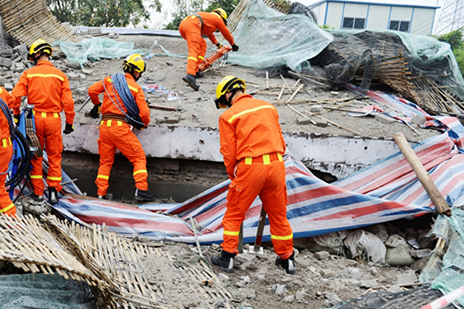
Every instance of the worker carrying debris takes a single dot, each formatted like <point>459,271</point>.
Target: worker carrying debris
<point>123,108</point>
<point>7,128</point>
<point>252,145</point>
<point>191,29</point>
<point>47,88</point>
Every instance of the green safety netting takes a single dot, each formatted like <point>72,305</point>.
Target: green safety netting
<point>94,49</point>
<point>448,275</point>
<point>270,39</point>
<point>42,291</point>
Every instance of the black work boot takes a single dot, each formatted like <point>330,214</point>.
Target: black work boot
<point>36,198</point>
<point>224,260</point>
<point>142,195</point>
<point>191,81</point>
<point>288,264</point>
<point>52,195</point>
<point>200,75</point>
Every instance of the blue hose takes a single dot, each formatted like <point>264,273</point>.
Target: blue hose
<point>121,88</point>
<point>7,113</point>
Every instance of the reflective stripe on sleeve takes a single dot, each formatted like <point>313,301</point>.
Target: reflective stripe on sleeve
<point>7,208</point>
<point>103,176</point>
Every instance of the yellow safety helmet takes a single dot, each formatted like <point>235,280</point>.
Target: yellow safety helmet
<point>221,13</point>
<point>39,46</point>
<point>227,84</point>
<point>134,63</point>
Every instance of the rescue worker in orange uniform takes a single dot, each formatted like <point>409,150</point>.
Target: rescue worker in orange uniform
<point>6,150</point>
<point>47,88</point>
<point>252,145</point>
<point>191,29</point>
<point>116,133</point>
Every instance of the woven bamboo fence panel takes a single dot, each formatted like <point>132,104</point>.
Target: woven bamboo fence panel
<point>111,265</point>
<point>29,20</point>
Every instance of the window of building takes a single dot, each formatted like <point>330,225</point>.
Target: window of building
<point>353,23</point>
<point>399,25</point>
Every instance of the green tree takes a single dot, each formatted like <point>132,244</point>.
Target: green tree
<point>454,38</point>
<point>183,8</point>
<point>102,13</point>
<point>226,5</point>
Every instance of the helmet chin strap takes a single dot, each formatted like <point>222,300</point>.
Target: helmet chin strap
<point>233,92</point>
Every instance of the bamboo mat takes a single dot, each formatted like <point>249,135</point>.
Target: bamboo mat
<point>110,264</point>
<point>29,20</point>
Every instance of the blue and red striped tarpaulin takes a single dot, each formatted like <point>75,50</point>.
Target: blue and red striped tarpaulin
<point>385,191</point>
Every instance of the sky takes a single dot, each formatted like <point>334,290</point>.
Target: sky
<point>158,19</point>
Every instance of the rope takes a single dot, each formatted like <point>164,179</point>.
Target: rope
<point>121,88</point>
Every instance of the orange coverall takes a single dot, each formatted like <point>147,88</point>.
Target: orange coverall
<point>191,30</point>
<point>252,145</point>
<point>47,88</point>
<point>115,133</point>
<point>6,152</point>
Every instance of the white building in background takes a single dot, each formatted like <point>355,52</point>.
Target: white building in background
<point>360,14</point>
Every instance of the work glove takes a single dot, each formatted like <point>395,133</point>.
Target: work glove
<point>68,128</point>
<point>16,119</point>
<point>95,111</point>
<point>234,47</point>
<point>219,45</point>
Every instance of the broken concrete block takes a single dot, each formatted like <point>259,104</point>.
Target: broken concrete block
<point>280,289</point>
<point>302,120</point>
<point>406,278</point>
<point>289,298</point>
<point>6,53</point>
<point>384,119</point>
<point>316,109</point>
<point>320,123</point>
<point>322,255</point>
<point>418,254</point>
<point>246,260</point>
<point>6,62</point>
<point>72,75</point>
<point>19,67</point>
<point>87,72</point>
<point>419,120</point>
<point>9,86</point>
<point>300,295</point>
<point>172,120</point>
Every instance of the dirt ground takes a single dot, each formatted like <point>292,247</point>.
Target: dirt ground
<point>319,283</point>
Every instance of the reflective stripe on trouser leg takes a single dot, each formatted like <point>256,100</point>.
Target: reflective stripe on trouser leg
<point>106,150</point>
<point>201,54</point>
<point>6,205</point>
<point>243,190</point>
<point>274,198</point>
